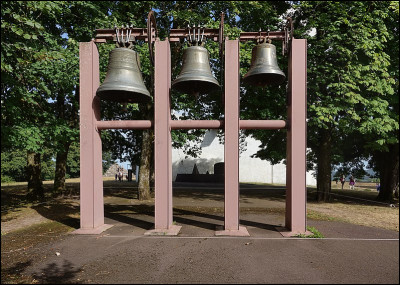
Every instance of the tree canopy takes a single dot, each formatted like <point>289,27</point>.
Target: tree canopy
<point>352,59</point>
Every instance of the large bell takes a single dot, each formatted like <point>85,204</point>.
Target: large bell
<point>123,82</point>
<point>264,69</point>
<point>195,76</point>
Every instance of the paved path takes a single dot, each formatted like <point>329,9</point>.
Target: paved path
<point>122,254</point>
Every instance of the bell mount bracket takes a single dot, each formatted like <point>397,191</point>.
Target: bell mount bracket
<point>286,36</point>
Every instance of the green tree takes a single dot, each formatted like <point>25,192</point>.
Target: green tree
<point>26,49</point>
<point>13,165</point>
<point>73,161</point>
<point>107,161</point>
<point>40,79</point>
<point>381,125</point>
<point>348,90</point>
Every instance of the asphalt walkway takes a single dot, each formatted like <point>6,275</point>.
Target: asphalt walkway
<point>123,254</point>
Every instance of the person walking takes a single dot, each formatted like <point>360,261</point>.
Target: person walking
<point>342,180</point>
<point>352,182</point>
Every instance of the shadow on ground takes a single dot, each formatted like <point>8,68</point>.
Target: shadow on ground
<point>65,208</point>
<point>56,274</point>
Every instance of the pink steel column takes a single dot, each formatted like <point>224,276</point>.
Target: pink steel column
<point>296,190</point>
<point>162,142</point>
<point>91,180</point>
<point>232,140</point>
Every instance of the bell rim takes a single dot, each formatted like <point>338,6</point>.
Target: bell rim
<point>195,78</point>
<point>124,94</point>
<point>277,79</point>
<point>181,86</point>
<point>260,70</point>
<point>273,72</point>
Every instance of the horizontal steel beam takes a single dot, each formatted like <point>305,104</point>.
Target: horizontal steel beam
<point>125,124</point>
<point>176,34</point>
<point>246,36</point>
<point>192,124</point>
<point>104,35</point>
<point>262,124</point>
<point>196,124</point>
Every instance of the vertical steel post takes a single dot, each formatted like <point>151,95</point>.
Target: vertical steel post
<point>296,191</point>
<point>232,135</point>
<point>91,180</point>
<point>162,134</point>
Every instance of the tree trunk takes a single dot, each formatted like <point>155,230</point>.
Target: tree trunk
<point>146,157</point>
<point>61,168</point>
<point>145,165</point>
<point>389,173</point>
<point>34,172</point>
<point>324,167</point>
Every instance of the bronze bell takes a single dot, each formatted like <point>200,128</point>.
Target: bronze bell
<point>124,82</point>
<point>195,76</point>
<point>264,69</point>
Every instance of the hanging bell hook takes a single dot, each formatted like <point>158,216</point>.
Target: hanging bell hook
<point>117,34</point>
<point>202,36</point>
<point>128,35</point>
<point>123,40</point>
<point>267,39</point>
<point>190,36</point>
<point>198,33</point>
<point>194,33</point>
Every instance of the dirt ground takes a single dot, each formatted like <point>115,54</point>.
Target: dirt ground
<point>31,225</point>
<point>352,206</point>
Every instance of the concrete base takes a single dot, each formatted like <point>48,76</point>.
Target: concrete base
<point>242,232</point>
<point>172,231</point>
<point>92,231</point>
<point>286,233</point>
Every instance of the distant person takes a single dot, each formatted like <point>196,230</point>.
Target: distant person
<point>116,176</point>
<point>352,182</point>
<point>120,176</point>
<point>378,186</point>
<point>342,180</point>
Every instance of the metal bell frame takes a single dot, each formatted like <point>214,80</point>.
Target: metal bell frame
<point>92,207</point>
